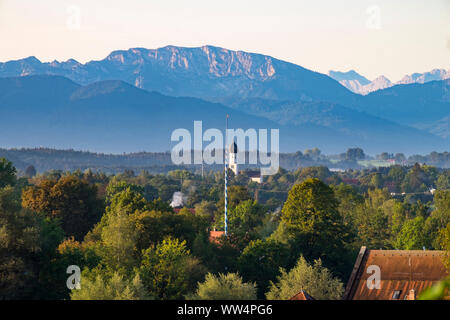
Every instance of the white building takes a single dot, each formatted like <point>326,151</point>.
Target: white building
<point>233,165</point>
<point>254,176</point>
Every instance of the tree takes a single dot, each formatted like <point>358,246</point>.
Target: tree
<point>28,244</point>
<point>415,179</point>
<point>116,186</point>
<point>372,226</point>
<point>84,254</point>
<point>7,173</point>
<point>119,239</point>
<point>260,262</point>
<point>443,181</point>
<point>166,269</point>
<point>129,200</point>
<point>354,154</point>
<point>371,222</point>
<point>71,200</point>
<point>376,180</point>
<point>442,204</point>
<point>440,217</point>
<point>349,199</point>
<point>396,174</point>
<point>385,156</point>
<point>412,235</point>
<point>153,226</point>
<point>19,244</point>
<point>236,194</point>
<point>116,287</point>
<point>180,175</point>
<point>321,173</point>
<point>206,209</point>
<point>316,280</point>
<point>400,157</point>
<point>313,153</point>
<point>224,287</point>
<point>313,225</point>
<point>243,219</point>
<point>444,240</point>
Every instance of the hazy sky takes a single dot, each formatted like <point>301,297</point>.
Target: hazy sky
<point>389,37</point>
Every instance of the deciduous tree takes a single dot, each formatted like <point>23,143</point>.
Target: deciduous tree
<point>316,280</point>
<point>224,287</point>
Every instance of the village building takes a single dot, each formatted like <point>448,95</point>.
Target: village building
<point>254,175</point>
<point>394,274</point>
<point>214,235</point>
<point>302,295</point>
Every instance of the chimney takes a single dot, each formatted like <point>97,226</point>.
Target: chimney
<point>412,294</point>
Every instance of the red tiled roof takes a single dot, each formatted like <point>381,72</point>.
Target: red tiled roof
<point>215,235</point>
<point>302,295</point>
<point>400,270</point>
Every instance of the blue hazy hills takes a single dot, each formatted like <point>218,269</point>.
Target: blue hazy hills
<point>132,100</point>
<point>113,116</point>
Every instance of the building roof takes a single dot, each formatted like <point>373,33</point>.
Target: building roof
<point>400,272</point>
<point>215,235</point>
<point>302,295</point>
<point>253,173</point>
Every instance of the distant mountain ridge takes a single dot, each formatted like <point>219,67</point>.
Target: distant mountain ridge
<point>113,116</point>
<point>423,106</point>
<point>361,85</point>
<point>206,72</point>
<point>259,85</point>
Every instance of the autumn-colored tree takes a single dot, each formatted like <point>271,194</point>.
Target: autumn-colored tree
<point>70,200</point>
<point>28,244</point>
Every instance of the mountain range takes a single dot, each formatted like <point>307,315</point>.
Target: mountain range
<point>206,72</point>
<point>132,100</point>
<point>361,85</point>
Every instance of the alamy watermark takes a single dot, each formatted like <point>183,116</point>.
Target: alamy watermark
<point>73,21</point>
<point>213,152</point>
<point>74,280</point>
<point>374,280</point>
<point>373,17</point>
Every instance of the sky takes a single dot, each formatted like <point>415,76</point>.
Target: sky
<point>377,37</point>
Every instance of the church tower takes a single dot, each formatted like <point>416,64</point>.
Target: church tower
<point>232,165</point>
